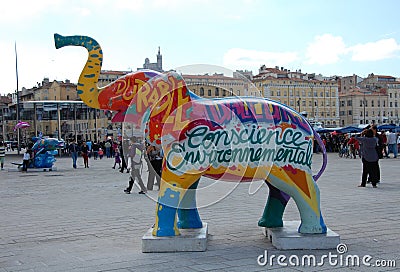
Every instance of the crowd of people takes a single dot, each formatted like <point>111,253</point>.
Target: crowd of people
<point>347,144</point>
<point>370,145</point>
<point>137,152</point>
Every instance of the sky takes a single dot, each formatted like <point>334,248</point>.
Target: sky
<point>339,37</point>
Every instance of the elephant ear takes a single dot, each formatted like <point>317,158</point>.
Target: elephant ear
<point>158,100</point>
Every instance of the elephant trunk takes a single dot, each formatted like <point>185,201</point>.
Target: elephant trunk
<point>87,87</point>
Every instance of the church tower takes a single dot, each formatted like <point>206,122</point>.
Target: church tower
<point>159,60</point>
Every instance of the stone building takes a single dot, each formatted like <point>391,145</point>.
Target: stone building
<point>219,85</point>
<point>156,66</point>
<point>374,99</point>
<point>314,96</point>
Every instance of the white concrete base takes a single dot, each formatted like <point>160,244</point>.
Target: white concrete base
<point>287,237</point>
<point>189,240</point>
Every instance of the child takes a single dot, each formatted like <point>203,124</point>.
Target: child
<point>25,162</point>
<point>117,158</point>
<point>101,153</point>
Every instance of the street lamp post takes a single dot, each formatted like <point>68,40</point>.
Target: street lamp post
<point>364,107</point>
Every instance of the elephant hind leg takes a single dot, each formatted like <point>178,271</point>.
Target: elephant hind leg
<point>274,208</point>
<point>188,215</point>
<point>305,193</point>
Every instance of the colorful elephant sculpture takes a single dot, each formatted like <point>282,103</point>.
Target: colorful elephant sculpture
<point>44,151</point>
<point>232,139</point>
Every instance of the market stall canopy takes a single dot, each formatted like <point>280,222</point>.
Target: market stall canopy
<point>340,130</point>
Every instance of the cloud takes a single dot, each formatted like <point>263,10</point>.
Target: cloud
<point>239,58</point>
<point>17,10</point>
<point>325,49</point>
<point>373,51</point>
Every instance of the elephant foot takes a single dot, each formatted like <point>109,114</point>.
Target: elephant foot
<point>270,223</point>
<point>165,232</point>
<point>189,219</point>
<point>316,228</point>
<point>190,224</point>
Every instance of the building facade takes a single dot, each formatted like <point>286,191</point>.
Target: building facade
<point>372,100</point>
<point>219,85</point>
<point>313,96</point>
<point>156,66</point>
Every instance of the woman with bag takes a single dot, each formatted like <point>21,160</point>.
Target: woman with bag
<point>369,157</point>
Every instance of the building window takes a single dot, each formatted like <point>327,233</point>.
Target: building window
<point>349,103</point>
<point>216,91</point>
<point>209,92</point>
<point>238,92</point>
<point>390,104</point>
<point>372,103</point>
<point>350,112</point>
<point>272,93</point>
<point>309,94</point>
<point>223,92</point>
<point>278,93</point>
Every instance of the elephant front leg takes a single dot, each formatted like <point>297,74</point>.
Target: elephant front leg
<point>188,215</point>
<point>167,203</point>
<point>273,212</point>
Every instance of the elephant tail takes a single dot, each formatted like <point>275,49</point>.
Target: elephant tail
<point>324,156</point>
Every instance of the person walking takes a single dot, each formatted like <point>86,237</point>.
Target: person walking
<point>134,165</point>
<point>154,164</point>
<point>85,154</point>
<point>117,159</point>
<point>26,160</point>
<point>369,156</point>
<point>378,149</point>
<point>73,150</point>
<point>107,146</point>
<point>95,149</point>
<point>121,147</point>
<point>392,144</point>
<point>2,154</point>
